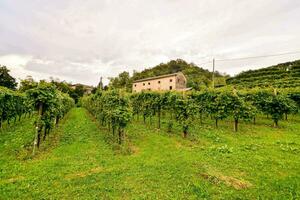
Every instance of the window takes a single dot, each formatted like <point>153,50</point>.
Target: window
<point>158,82</point>
<point>148,83</point>
<point>171,80</point>
<point>149,89</point>
<point>171,87</point>
<point>134,85</point>
<point>143,84</point>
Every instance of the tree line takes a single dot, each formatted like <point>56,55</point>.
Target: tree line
<point>75,91</point>
<point>198,78</point>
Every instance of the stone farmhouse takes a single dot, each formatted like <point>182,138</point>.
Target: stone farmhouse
<point>176,81</point>
<point>87,89</point>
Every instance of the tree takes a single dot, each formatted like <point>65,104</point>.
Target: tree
<point>6,79</point>
<point>79,89</point>
<point>197,77</point>
<point>61,85</point>
<point>77,92</point>
<point>123,81</point>
<point>27,83</point>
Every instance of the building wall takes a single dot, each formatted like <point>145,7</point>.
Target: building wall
<point>180,81</point>
<point>166,83</point>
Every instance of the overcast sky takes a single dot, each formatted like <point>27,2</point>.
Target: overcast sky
<point>80,41</point>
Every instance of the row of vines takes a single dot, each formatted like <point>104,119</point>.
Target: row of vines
<point>285,75</point>
<point>112,109</point>
<point>116,109</point>
<point>44,102</point>
<point>13,105</point>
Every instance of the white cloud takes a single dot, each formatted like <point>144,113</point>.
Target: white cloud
<point>80,41</point>
<point>15,61</point>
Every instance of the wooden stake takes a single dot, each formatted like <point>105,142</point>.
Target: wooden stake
<point>213,74</point>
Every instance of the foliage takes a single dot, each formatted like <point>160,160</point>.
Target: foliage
<point>27,83</point>
<point>277,106</point>
<point>185,112</point>
<point>240,109</point>
<point>111,108</point>
<point>274,103</point>
<point>284,75</point>
<point>218,104</point>
<point>77,92</point>
<point>83,166</point>
<point>6,80</point>
<point>51,105</point>
<point>197,77</point>
<point>123,81</point>
<point>12,105</point>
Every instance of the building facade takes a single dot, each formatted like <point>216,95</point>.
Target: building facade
<point>169,82</point>
<point>87,89</point>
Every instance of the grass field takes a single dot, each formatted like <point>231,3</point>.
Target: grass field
<point>77,162</point>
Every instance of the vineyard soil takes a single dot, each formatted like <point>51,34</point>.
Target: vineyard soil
<point>258,161</point>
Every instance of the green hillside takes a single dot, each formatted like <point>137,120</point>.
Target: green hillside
<point>197,77</point>
<point>284,75</point>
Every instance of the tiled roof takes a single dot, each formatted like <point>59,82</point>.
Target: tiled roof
<point>156,77</point>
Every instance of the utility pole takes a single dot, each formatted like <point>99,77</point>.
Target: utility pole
<point>213,74</point>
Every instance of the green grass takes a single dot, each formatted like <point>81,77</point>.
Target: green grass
<point>77,163</point>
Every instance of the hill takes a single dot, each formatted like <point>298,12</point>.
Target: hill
<point>284,75</point>
<point>197,77</point>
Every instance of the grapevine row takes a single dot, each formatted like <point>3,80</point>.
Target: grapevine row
<point>115,109</point>
<point>50,105</point>
<point>13,105</point>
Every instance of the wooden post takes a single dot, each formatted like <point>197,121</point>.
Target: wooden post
<point>213,74</point>
<point>35,140</point>
<point>120,135</point>
<point>38,129</point>
<point>159,115</point>
<point>276,121</point>
<point>56,121</point>
<point>236,121</point>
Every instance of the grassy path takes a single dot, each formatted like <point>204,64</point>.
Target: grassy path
<point>83,166</point>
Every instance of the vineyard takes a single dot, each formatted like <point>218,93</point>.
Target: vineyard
<point>46,104</point>
<point>208,144</point>
<point>149,100</point>
<point>115,110</point>
<point>285,75</point>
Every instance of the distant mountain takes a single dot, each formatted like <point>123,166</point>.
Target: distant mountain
<point>284,75</point>
<point>197,77</point>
